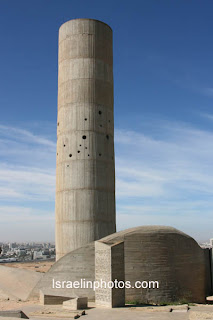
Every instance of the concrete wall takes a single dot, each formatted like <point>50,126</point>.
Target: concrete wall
<point>17,283</point>
<point>85,173</point>
<point>109,266</point>
<point>151,253</point>
<point>166,255</point>
<point>74,266</point>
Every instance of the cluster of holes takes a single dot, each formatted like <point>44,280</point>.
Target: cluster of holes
<point>84,137</point>
<point>70,155</point>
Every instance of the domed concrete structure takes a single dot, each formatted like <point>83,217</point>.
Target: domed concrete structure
<point>151,253</point>
<point>74,266</point>
<point>167,255</point>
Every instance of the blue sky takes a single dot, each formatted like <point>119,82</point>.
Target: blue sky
<point>163,85</point>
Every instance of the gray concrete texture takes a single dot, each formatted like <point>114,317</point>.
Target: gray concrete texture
<point>76,303</point>
<point>151,253</point>
<point>13,314</point>
<point>85,170</point>
<point>199,312</point>
<point>109,266</point>
<point>167,255</point>
<point>74,266</point>
<point>47,299</point>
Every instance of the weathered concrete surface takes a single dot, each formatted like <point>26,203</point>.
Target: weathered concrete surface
<point>13,314</point>
<point>211,266</point>
<point>164,254</point>
<point>93,313</point>
<point>76,303</point>
<point>151,253</point>
<point>109,266</point>
<point>197,312</point>
<point>85,171</point>
<point>74,266</point>
<point>47,299</point>
<point>17,283</point>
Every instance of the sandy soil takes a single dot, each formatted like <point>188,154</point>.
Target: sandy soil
<point>12,304</point>
<point>38,266</point>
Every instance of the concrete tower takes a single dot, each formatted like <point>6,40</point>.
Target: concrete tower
<point>85,170</point>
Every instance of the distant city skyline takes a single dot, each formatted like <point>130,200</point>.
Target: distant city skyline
<point>163,113</point>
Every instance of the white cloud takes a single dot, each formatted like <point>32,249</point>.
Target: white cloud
<point>207,116</point>
<point>26,224</point>
<point>26,183</point>
<point>208,91</point>
<point>25,136</point>
<point>164,178</point>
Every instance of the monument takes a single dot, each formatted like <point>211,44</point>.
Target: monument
<point>85,169</point>
<point>88,248</point>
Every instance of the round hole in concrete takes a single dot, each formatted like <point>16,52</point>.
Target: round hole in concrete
<point>58,123</point>
<point>78,151</point>
<point>85,147</point>
<point>84,137</point>
<point>101,125</point>
<point>64,145</point>
<point>99,154</point>
<point>100,112</point>
<point>85,119</point>
<point>79,145</point>
<point>70,155</point>
<point>88,155</point>
<point>107,136</point>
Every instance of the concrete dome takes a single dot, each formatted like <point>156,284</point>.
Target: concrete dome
<point>152,253</point>
<point>167,255</point>
<point>74,266</point>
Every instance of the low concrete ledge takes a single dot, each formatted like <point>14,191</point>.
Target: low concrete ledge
<point>209,300</point>
<point>76,303</point>
<point>47,299</point>
<point>13,314</point>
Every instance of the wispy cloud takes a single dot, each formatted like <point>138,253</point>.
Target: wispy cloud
<point>207,116</point>
<point>20,135</point>
<point>167,179</point>
<point>207,91</point>
<point>27,185</point>
<point>164,178</point>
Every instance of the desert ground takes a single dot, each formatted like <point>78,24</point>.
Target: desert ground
<point>34,310</point>
<point>38,266</point>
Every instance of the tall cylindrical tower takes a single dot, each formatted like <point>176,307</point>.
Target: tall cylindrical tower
<point>85,170</point>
